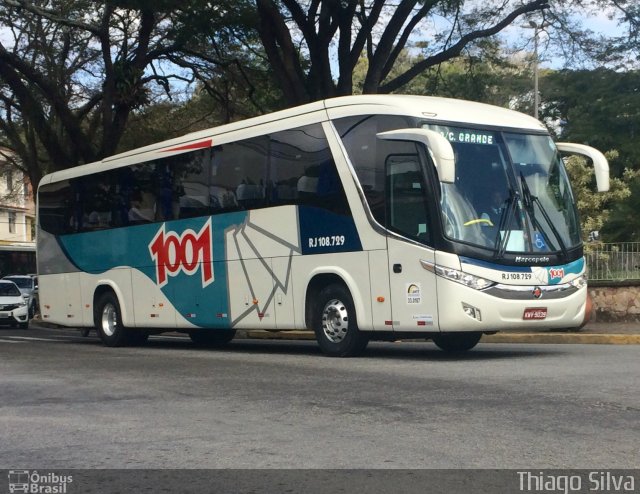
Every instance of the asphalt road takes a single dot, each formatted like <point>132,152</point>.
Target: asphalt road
<point>69,402</point>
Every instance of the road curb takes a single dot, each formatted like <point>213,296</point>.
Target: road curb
<point>555,338</point>
<point>563,338</point>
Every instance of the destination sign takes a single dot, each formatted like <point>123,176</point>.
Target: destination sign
<point>465,136</point>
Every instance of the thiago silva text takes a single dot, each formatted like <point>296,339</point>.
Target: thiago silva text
<point>595,481</point>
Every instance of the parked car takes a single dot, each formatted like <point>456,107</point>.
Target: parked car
<point>14,309</point>
<point>28,285</point>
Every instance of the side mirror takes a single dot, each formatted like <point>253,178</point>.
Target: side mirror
<point>439,148</point>
<point>600,163</point>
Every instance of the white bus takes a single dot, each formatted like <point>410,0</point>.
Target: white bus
<point>362,217</point>
<point>17,259</point>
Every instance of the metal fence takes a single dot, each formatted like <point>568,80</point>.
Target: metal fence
<point>613,261</point>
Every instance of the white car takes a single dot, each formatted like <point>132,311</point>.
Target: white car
<point>14,309</point>
<point>28,286</point>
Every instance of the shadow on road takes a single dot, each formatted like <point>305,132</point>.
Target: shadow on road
<point>417,351</point>
<point>378,350</point>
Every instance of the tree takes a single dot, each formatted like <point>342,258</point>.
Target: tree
<point>595,207</point>
<point>623,224</point>
<point>73,72</point>
<point>623,50</point>
<point>600,108</point>
<point>299,37</point>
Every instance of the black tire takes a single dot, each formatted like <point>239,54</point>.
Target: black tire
<point>108,321</point>
<point>335,323</point>
<point>212,338</point>
<point>457,342</point>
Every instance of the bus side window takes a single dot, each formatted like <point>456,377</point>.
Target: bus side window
<point>56,208</point>
<point>307,188</point>
<point>302,171</point>
<point>367,154</point>
<point>406,204</point>
<point>94,207</point>
<point>184,193</point>
<point>238,173</point>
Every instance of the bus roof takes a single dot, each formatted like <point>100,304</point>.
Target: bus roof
<point>428,108</point>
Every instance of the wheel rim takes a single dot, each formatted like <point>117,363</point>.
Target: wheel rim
<point>335,321</point>
<point>109,321</point>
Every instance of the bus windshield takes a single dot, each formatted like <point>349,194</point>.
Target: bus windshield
<point>511,193</point>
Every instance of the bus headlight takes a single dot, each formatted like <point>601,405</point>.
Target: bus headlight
<point>579,282</point>
<point>465,279</point>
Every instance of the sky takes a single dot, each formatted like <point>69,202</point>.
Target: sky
<point>600,22</point>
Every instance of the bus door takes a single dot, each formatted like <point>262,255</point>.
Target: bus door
<point>413,288</point>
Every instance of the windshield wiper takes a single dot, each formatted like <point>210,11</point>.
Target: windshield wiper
<point>529,203</point>
<point>505,218</point>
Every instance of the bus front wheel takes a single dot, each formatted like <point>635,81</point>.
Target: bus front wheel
<point>457,342</point>
<point>108,322</point>
<point>335,323</point>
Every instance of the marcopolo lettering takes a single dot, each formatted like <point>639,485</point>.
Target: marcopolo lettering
<point>188,252</point>
<point>532,260</point>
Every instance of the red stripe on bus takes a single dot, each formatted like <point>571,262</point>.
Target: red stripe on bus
<point>195,145</point>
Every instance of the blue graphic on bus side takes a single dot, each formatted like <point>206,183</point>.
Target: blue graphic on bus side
<point>323,232</point>
<point>187,258</point>
<point>182,280</point>
<point>555,274</point>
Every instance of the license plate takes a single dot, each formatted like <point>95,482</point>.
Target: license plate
<point>535,313</point>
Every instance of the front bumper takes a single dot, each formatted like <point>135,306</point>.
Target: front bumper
<point>15,316</point>
<point>504,309</point>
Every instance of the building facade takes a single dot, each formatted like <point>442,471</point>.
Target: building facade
<point>17,206</point>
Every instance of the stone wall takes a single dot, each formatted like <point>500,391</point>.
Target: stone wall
<point>615,302</point>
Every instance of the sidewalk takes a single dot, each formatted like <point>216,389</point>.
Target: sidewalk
<point>612,327</point>
<point>603,333</point>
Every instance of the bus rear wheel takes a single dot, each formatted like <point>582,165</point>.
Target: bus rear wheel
<point>108,322</point>
<point>214,338</point>
<point>457,342</point>
<point>335,323</point>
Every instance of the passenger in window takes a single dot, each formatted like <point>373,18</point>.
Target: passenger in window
<point>139,212</point>
<point>168,193</point>
<point>222,199</point>
<point>250,195</point>
<point>307,187</point>
<point>494,208</point>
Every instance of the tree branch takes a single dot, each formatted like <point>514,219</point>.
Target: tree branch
<point>455,50</point>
